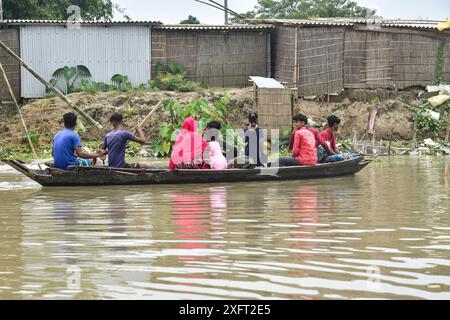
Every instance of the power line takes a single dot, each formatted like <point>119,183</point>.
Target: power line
<point>219,7</point>
<point>226,8</point>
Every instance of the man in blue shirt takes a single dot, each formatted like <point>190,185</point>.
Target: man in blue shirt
<point>115,144</point>
<point>67,149</point>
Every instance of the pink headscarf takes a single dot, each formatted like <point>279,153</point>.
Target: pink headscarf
<point>189,145</point>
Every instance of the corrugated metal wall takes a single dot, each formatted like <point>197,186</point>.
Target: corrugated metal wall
<point>104,50</point>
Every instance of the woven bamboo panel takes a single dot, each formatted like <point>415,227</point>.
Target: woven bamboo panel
<point>11,38</point>
<point>274,107</point>
<point>182,47</point>
<point>414,59</point>
<point>222,59</point>
<point>355,59</point>
<point>283,57</point>
<point>321,60</point>
<point>158,48</point>
<point>379,60</point>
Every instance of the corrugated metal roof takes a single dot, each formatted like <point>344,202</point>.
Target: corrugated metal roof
<point>315,22</point>
<point>214,27</point>
<point>269,83</point>
<point>416,24</point>
<point>64,22</point>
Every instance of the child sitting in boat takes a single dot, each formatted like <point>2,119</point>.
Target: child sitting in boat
<point>254,141</point>
<point>213,130</point>
<point>212,136</point>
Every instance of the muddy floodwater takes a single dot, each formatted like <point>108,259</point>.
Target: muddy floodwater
<point>384,233</point>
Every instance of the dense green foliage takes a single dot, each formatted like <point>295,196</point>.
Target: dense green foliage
<point>426,125</point>
<point>190,20</point>
<point>199,109</point>
<point>305,9</point>
<point>56,9</point>
<point>173,77</point>
<point>70,76</point>
<point>440,62</point>
<point>170,76</point>
<point>120,82</point>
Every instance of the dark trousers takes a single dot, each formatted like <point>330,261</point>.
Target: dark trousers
<point>289,162</point>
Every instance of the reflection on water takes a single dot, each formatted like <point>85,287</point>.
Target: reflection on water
<point>384,233</point>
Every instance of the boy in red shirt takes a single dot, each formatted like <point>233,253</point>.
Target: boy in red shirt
<point>328,135</point>
<point>304,151</point>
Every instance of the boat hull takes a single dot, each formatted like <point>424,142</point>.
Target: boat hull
<point>107,176</point>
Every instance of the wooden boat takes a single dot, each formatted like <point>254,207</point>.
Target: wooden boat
<point>105,176</point>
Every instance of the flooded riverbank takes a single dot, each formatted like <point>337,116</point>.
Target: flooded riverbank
<point>384,233</point>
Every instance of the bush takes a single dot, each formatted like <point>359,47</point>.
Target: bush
<point>172,77</point>
<point>426,125</point>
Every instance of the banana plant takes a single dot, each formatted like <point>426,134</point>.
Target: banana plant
<point>71,75</point>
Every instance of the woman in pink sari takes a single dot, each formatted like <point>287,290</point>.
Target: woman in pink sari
<point>190,150</point>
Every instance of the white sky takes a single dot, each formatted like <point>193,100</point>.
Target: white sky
<point>173,11</point>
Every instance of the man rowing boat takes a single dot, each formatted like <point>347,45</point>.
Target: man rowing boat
<point>115,144</point>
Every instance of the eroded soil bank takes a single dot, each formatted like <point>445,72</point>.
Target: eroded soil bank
<point>43,116</point>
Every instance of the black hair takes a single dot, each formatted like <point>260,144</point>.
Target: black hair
<point>70,120</point>
<point>332,120</point>
<point>116,118</point>
<point>253,117</point>
<point>214,125</point>
<point>301,118</point>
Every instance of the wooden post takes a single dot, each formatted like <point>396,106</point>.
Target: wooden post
<point>50,86</point>
<point>33,151</point>
<point>415,133</point>
<point>447,135</point>
<point>225,4</point>
<point>328,76</point>
<point>296,67</point>
<point>390,143</point>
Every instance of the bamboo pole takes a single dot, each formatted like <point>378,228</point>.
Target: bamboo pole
<point>50,86</point>
<point>296,56</point>
<point>33,151</point>
<point>143,122</point>
<point>328,78</point>
<point>447,135</point>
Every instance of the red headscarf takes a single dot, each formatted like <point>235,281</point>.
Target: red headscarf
<point>189,145</point>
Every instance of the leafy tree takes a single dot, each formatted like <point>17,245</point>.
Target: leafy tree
<point>56,9</point>
<point>304,9</point>
<point>190,20</point>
